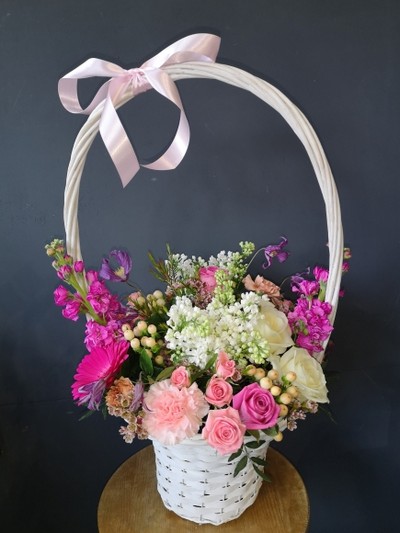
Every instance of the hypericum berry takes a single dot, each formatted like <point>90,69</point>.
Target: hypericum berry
<point>273,374</point>
<point>152,329</point>
<point>143,341</point>
<point>250,370</point>
<point>160,302</point>
<point>159,360</point>
<point>157,294</point>
<point>293,391</point>
<point>125,327</point>
<point>259,374</point>
<point>266,383</point>
<point>135,343</point>
<point>291,376</point>
<point>141,325</point>
<point>285,398</point>
<point>150,342</point>
<point>283,409</point>
<point>275,390</point>
<point>278,437</point>
<point>128,335</point>
<point>138,332</point>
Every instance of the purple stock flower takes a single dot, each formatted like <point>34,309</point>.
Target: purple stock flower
<point>309,321</point>
<point>121,271</point>
<point>275,250</point>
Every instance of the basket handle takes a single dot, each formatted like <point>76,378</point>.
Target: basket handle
<point>271,96</point>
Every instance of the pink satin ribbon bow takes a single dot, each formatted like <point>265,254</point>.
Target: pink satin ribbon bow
<point>197,47</point>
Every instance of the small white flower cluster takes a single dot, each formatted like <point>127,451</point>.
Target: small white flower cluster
<point>195,335</point>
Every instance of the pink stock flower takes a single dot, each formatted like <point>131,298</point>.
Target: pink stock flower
<point>180,377</point>
<point>92,276</point>
<point>79,266</point>
<point>321,274</point>
<point>61,295</point>
<point>207,276</point>
<point>173,414</point>
<point>96,372</point>
<point>224,366</point>
<point>256,406</point>
<point>72,309</point>
<point>224,430</point>
<point>64,272</point>
<point>97,335</point>
<point>218,392</point>
<point>309,320</point>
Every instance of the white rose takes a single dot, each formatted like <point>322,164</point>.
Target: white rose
<point>273,326</point>
<point>310,379</point>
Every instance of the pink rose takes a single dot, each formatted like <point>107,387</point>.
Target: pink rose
<point>172,414</point>
<point>180,377</point>
<point>224,366</point>
<point>256,406</point>
<point>224,430</point>
<point>207,276</point>
<point>219,392</point>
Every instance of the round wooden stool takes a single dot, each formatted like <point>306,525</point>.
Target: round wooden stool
<point>130,502</point>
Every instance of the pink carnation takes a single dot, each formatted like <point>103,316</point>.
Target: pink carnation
<point>224,430</point>
<point>173,414</point>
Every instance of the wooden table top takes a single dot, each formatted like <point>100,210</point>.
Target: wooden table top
<point>130,502</point>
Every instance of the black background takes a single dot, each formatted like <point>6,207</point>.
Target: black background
<point>245,176</point>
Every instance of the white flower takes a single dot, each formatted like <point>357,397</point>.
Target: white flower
<point>273,326</point>
<point>310,379</point>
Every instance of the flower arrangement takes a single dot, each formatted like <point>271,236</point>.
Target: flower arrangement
<point>216,353</point>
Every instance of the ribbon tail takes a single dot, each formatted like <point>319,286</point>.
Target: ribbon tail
<point>117,143</point>
<point>162,83</point>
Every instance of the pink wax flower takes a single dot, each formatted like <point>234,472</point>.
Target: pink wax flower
<point>61,295</point>
<point>180,377</point>
<point>224,430</point>
<point>96,372</point>
<point>173,414</point>
<point>218,392</point>
<point>224,366</point>
<point>207,276</point>
<point>256,406</point>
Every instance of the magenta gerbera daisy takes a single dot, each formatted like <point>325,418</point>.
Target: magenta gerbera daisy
<point>96,371</point>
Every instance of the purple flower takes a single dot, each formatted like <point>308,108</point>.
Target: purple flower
<point>121,271</point>
<point>275,250</point>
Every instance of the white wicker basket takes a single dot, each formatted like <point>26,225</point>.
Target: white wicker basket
<point>205,496</point>
<point>197,483</point>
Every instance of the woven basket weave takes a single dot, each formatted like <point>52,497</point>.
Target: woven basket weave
<point>197,483</point>
<point>204,495</point>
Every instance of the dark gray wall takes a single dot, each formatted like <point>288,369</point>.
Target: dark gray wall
<point>245,176</point>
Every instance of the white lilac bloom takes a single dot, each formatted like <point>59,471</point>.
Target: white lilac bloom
<point>195,335</point>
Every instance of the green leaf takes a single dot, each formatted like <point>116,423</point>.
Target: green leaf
<point>262,474</point>
<point>165,373</point>
<point>146,364</point>
<point>259,461</point>
<point>254,433</point>
<point>272,432</point>
<point>254,444</point>
<point>211,362</point>
<point>235,455</point>
<point>241,464</point>
<point>85,415</point>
